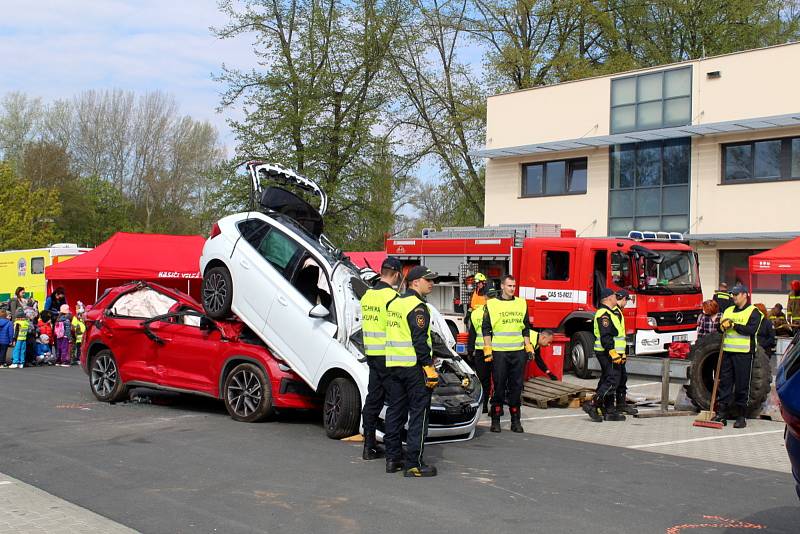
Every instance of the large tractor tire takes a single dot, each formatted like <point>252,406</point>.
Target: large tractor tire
<point>704,356</point>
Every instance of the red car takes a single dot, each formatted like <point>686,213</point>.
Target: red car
<point>143,334</point>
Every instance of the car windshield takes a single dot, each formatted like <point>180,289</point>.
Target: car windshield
<point>676,273</point>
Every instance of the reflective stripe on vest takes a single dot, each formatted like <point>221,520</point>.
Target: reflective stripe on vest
<point>24,326</point>
<point>476,317</point>
<point>373,317</point>
<point>507,317</point>
<point>722,294</point>
<point>732,340</point>
<point>399,345</point>
<point>619,340</point>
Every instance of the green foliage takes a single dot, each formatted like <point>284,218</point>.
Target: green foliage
<point>29,213</point>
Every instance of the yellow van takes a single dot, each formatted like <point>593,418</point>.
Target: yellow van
<point>25,268</point>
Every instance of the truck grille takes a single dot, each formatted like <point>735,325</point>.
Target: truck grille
<point>677,318</point>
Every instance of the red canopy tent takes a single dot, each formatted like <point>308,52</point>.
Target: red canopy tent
<point>767,266</point>
<point>170,260</point>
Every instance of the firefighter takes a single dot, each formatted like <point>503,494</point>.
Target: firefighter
<point>481,363</point>
<point>412,375</point>
<point>373,326</point>
<point>609,349</point>
<point>793,304</point>
<point>506,340</point>
<point>479,294</point>
<point>723,297</point>
<point>740,324</point>
<point>622,390</point>
<point>539,340</point>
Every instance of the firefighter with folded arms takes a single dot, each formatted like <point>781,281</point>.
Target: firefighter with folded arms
<point>507,334</point>
<point>622,390</point>
<point>739,325</point>
<point>609,349</point>
<point>373,326</point>
<point>412,375</point>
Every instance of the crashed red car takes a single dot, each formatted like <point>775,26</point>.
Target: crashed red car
<point>146,335</point>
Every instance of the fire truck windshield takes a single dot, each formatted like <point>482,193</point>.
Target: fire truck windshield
<point>675,273</point>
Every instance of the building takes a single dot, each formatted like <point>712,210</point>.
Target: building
<point>708,147</point>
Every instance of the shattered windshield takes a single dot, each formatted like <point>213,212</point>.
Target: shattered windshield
<point>676,273</point>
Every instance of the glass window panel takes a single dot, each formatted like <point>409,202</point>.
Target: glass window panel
<point>675,223</point>
<point>768,159</point>
<point>555,178</point>
<point>649,87</point>
<point>577,176</point>
<point>623,91</point>
<point>651,224</point>
<point>677,111</point>
<point>648,165</point>
<point>677,82</point>
<point>623,118</point>
<point>796,157</point>
<point>675,199</point>
<point>738,162</point>
<point>619,227</point>
<point>532,180</point>
<point>648,201</point>
<point>648,115</point>
<point>622,166</point>
<point>621,203</point>
<point>676,162</point>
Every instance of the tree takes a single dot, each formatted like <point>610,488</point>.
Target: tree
<point>29,213</point>
<point>19,117</point>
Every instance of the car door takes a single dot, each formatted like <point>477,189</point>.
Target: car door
<point>254,279</point>
<point>188,349</point>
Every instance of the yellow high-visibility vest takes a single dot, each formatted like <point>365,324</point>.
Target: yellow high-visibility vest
<point>476,317</point>
<point>373,319</point>
<point>733,341</point>
<point>399,345</point>
<point>619,340</point>
<point>79,327</point>
<point>24,326</point>
<point>507,317</point>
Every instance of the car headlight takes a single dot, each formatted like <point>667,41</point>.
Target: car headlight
<point>651,321</point>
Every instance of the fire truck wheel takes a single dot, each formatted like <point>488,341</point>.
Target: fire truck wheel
<point>581,348</point>
<point>701,374</point>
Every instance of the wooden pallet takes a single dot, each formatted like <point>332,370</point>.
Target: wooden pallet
<point>543,392</point>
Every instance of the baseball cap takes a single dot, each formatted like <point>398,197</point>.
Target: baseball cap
<point>420,271</point>
<point>392,263</point>
<point>623,294</point>
<point>605,293</point>
<point>739,288</point>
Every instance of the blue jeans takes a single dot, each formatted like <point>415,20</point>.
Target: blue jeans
<point>18,356</point>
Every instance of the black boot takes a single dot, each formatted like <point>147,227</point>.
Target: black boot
<point>516,425</point>
<point>495,412</point>
<point>372,451</point>
<point>393,466</point>
<point>721,418</point>
<point>593,411</point>
<point>624,407</point>
<point>741,422</point>
<point>485,408</point>
<point>613,415</point>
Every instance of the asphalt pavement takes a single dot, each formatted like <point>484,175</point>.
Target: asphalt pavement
<point>173,463</point>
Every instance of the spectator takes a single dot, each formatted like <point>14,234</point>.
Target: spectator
<point>54,302</point>
<point>19,301</point>
<point>78,328</point>
<point>6,336</point>
<point>45,326</point>
<point>778,319</point>
<point>44,354</point>
<point>63,331</point>
<point>21,327</point>
<point>766,332</point>
<point>708,321</point>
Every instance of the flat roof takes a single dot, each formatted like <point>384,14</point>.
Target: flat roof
<point>659,134</point>
<point>743,236</point>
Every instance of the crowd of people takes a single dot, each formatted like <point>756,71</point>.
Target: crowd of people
<point>31,337</point>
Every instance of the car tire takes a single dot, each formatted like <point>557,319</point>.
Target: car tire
<point>581,349</point>
<point>342,410</point>
<point>247,393</point>
<point>700,373</point>
<point>104,378</point>
<point>217,292</point>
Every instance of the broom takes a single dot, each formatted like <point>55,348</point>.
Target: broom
<point>704,418</point>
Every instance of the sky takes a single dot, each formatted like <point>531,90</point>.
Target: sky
<point>57,48</point>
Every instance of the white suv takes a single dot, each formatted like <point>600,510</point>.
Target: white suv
<point>274,269</point>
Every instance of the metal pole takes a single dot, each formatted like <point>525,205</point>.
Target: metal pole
<point>665,384</point>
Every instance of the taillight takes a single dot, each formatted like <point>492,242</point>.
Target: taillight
<point>215,231</point>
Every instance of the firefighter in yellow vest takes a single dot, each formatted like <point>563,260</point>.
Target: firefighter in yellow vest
<point>373,327</point>
<point>609,349</point>
<point>411,374</point>
<point>479,294</point>
<point>483,368</point>
<point>793,303</point>
<point>507,344</point>
<point>739,326</point>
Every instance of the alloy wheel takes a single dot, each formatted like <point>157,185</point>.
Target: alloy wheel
<point>333,405</point>
<point>104,375</point>
<point>245,393</point>
<point>214,292</point>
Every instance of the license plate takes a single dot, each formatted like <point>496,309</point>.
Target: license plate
<point>680,338</point>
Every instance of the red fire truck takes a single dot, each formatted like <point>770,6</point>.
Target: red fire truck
<point>560,275</point>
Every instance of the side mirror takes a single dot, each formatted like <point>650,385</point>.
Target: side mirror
<point>319,312</point>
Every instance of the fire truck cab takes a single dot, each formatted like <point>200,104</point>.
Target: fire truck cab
<point>560,275</point>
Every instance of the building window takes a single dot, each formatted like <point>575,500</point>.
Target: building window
<point>556,265</point>
<point>766,160</point>
<point>551,178</point>
<point>649,187</point>
<point>653,100</point>
<point>37,265</point>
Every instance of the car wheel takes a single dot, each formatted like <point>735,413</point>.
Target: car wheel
<point>104,378</point>
<point>342,409</point>
<point>248,394</point>
<point>581,349</point>
<point>217,292</point>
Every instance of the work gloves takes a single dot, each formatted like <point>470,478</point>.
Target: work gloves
<point>431,376</point>
<point>529,350</point>
<point>726,324</point>
<point>487,354</point>
<point>616,357</point>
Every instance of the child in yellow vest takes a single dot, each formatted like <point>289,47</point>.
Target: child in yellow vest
<point>21,327</point>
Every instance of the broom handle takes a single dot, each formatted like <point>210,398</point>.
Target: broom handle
<point>716,375</point>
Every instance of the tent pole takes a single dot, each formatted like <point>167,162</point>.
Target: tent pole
<point>188,287</point>
<point>96,289</point>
